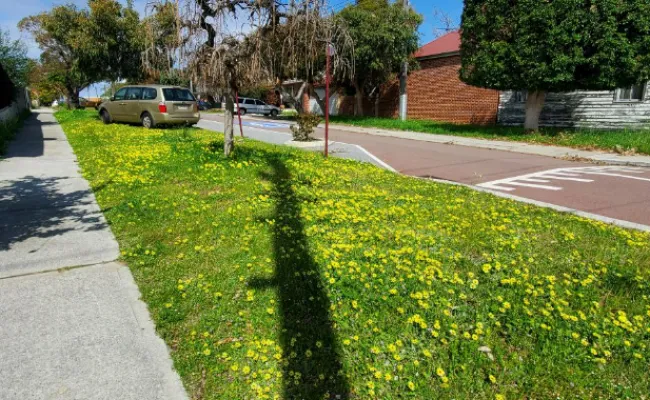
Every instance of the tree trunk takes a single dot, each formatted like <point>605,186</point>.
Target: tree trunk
<point>73,97</point>
<point>358,96</point>
<point>228,122</point>
<point>300,108</point>
<point>534,104</point>
<point>377,105</point>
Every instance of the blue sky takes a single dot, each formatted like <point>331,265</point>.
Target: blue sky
<point>425,7</point>
<point>14,10</point>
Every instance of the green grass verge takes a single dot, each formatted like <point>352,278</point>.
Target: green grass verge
<point>9,128</point>
<point>590,139</point>
<point>279,274</point>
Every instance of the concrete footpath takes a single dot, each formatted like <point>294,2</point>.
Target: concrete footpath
<point>72,325</point>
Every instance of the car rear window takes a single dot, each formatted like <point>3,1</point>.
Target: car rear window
<point>178,95</point>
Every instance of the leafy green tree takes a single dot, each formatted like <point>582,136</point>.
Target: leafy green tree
<point>14,60</point>
<point>554,46</point>
<point>385,36</point>
<point>83,46</point>
<point>162,42</point>
<point>44,83</point>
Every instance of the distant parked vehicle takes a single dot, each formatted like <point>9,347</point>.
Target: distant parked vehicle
<point>151,105</point>
<point>254,106</point>
<point>205,105</point>
<point>91,102</point>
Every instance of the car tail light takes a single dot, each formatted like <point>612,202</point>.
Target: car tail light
<point>162,107</point>
<point>196,107</point>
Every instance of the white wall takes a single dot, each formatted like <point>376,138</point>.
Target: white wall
<point>333,104</point>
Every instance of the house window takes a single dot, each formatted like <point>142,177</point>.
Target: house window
<point>632,93</point>
<point>519,96</point>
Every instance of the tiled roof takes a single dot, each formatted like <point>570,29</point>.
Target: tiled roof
<point>449,43</point>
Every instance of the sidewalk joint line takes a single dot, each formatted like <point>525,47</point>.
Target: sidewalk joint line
<point>60,270</point>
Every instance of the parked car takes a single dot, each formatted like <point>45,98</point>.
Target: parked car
<point>91,102</point>
<point>151,105</point>
<point>205,105</point>
<point>254,106</point>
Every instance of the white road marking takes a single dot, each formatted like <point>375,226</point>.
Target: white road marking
<point>619,176</point>
<point>532,185</point>
<point>576,174</point>
<point>564,178</point>
<point>377,159</point>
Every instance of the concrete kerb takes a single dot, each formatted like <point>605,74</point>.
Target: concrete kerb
<point>514,147</point>
<point>612,221</point>
<point>607,220</point>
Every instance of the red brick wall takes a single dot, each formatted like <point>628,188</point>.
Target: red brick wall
<point>436,93</point>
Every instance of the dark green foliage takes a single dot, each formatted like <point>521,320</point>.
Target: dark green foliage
<point>14,60</point>
<point>385,36</point>
<point>83,46</point>
<point>173,77</point>
<point>256,92</point>
<point>558,45</point>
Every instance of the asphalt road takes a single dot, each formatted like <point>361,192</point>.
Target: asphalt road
<point>615,192</point>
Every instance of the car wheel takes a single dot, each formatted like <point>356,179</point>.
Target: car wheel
<point>274,113</point>
<point>242,111</point>
<point>147,121</point>
<point>106,117</point>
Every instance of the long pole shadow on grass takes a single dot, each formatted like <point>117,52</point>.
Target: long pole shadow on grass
<point>313,368</point>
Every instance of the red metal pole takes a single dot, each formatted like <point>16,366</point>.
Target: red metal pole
<point>327,100</point>
<point>241,130</point>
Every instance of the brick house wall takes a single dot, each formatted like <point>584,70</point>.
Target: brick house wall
<point>435,92</point>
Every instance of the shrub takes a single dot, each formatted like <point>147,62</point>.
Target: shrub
<point>306,125</point>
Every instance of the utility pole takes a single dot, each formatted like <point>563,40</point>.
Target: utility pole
<point>403,98</point>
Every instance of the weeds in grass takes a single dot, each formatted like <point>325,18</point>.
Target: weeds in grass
<point>279,274</point>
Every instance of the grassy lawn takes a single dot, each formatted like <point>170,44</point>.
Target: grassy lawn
<point>589,139</point>
<point>278,274</point>
<point>212,111</point>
